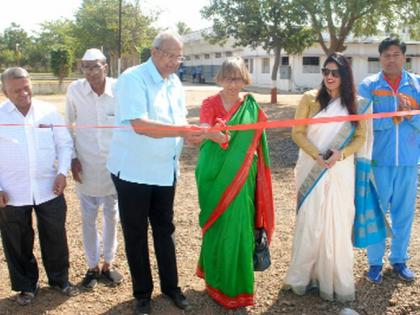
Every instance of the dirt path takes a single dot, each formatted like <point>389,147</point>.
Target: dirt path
<point>392,297</point>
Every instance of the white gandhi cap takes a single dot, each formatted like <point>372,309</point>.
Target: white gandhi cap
<point>93,54</point>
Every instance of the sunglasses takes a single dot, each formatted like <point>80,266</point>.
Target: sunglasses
<point>334,72</point>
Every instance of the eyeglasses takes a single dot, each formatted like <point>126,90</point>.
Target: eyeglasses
<point>92,69</point>
<point>233,80</point>
<point>171,56</point>
<point>334,72</point>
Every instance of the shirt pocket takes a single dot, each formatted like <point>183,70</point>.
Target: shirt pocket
<point>110,119</point>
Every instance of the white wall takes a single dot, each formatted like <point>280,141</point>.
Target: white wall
<point>194,44</point>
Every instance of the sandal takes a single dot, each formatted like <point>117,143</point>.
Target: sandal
<point>25,298</point>
<point>68,290</point>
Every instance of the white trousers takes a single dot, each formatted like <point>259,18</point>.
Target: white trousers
<point>90,206</point>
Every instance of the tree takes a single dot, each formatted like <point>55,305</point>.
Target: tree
<point>61,62</point>
<point>13,44</point>
<point>339,18</point>
<point>97,26</point>
<point>52,33</point>
<point>183,28</point>
<point>15,35</point>
<point>410,14</point>
<point>7,58</point>
<point>275,25</point>
<point>145,54</point>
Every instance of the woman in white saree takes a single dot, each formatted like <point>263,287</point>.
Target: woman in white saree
<point>325,177</point>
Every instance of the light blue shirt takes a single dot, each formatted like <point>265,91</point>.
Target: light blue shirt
<point>143,93</point>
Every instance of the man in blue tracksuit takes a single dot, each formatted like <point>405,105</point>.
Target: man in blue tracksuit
<point>395,154</point>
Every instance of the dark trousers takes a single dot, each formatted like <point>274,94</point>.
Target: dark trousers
<point>139,203</point>
<point>17,236</point>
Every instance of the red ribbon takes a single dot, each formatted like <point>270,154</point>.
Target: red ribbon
<point>256,126</point>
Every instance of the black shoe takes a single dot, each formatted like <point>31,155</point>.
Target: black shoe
<point>179,300</point>
<point>142,307</point>
<point>91,278</point>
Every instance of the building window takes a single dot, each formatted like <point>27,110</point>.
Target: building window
<point>310,65</point>
<point>285,61</point>
<point>197,57</point>
<point>373,65</point>
<point>218,55</point>
<point>187,58</point>
<point>228,54</point>
<point>265,67</point>
<point>249,63</point>
<point>206,56</point>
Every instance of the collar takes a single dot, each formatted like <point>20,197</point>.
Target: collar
<point>404,80</point>
<point>9,106</point>
<point>156,76</point>
<point>87,89</point>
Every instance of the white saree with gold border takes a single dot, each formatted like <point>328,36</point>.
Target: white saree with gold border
<point>322,253</point>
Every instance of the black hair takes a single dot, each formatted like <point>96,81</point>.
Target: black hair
<point>391,41</point>
<point>347,89</point>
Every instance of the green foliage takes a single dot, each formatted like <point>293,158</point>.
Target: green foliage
<point>52,33</point>
<point>61,61</point>
<point>15,36</point>
<point>272,24</point>
<point>410,17</point>
<point>97,26</point>
<point>7,58</point>
<point>182,28</point>
<point>339,18</point>
<point>145,54</point>
<point>14,43</point>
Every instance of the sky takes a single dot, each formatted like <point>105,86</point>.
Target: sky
<point>30,13</point>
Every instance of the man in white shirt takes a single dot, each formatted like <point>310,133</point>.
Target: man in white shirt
<point>91,102</point>
<point>34,161</point>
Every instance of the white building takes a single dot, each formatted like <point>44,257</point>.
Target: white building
<point>297,72</point>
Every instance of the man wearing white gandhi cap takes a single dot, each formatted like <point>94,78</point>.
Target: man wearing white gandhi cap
<point>91,102</point>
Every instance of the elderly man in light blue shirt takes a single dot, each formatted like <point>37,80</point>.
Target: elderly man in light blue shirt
<point>143,161</point>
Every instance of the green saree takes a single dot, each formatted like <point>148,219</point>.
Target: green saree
<point>235,196</point>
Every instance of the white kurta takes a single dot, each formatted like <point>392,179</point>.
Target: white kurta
<point>322,246</point>
<point>86,110</point>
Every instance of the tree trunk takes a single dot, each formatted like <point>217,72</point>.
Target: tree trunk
<point>274,73</point>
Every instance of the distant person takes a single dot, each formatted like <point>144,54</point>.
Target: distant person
<point>234,189</point>
<point>181,73</point>
<point>199,74</point>
<point>34,162</point>
<point>194,74</point>
<point>322,254</point>
<point>90,102</point>
<point>396,149</point>
<point>143,161</point>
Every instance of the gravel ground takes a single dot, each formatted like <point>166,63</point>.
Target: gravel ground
<point>392,297</point>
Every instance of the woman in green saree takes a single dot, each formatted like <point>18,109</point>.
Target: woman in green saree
<point>234,189</point>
